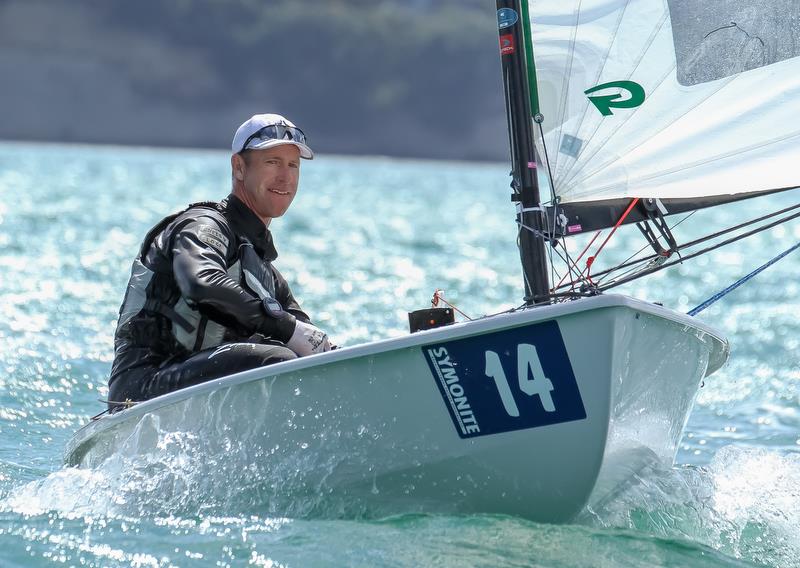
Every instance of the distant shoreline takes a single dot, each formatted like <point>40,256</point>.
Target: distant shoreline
<point>226,152</point>
<point>401,78</point>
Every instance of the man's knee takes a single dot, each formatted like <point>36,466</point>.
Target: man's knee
<point>275,354</point>
<point>248,355</point>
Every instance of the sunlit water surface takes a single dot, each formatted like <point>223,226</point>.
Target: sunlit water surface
<point>365,241</point>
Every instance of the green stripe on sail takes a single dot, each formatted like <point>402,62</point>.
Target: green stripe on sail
<point>526,32</point>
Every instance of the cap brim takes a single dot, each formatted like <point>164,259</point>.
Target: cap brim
<point>305,151</point>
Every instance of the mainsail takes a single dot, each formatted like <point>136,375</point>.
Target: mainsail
<point>668,98</point>
<point>641,109</point>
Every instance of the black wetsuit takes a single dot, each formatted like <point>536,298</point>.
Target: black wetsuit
<point>188,316</point>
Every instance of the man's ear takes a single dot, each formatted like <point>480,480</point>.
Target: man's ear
<point>238,166</point>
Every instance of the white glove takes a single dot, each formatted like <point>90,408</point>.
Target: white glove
<point>308,339</point>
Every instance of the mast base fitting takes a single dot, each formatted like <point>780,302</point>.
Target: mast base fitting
<point>589,290</point>
<point>430,318</point>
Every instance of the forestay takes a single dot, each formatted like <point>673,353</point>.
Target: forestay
<point>685,98</point>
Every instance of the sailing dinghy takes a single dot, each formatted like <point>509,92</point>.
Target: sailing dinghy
<point>624,111</point>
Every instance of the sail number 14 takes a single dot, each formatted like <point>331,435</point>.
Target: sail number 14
<point>528,365</point>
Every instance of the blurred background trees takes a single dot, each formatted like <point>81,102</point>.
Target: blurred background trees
<point>397,77</point>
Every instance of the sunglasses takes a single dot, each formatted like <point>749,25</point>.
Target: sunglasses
<point>276,132</point>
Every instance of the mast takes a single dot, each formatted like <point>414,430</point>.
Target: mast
<point>516,57</point>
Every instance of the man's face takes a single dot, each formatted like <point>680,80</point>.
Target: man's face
<point>270,179</point>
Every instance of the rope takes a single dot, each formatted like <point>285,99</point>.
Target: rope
<point>741,281</point>
<point>590,260</point>
<point>653,257</point>
<point>128,403</point>
<point>570,264</point>
<point>701,240</point>
<point>577,260</point>
<point>438,297</point>
<point>651,269</point>
<point>547,161</point>
<point>700,252</point>
<point>542,236</point>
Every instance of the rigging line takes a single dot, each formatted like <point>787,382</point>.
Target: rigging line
<point>552,227</point>
<point>508,311</point>
<point>570,263</point>
<point>100,415</point>
<point>565,258</point>
<point>556,274</point>
<point>552,265</point>
<point>637,271</point>
<point>580,256</point>
<point>537,233</point>
<point>553,244</point>
<point>547,162</point>
<point>555,200</point>
<point>700,252</point>
<point>553,272</point>
<point>703,239</point>
<point>640,265</point>
<point>651,267</point>
<point>572,295</point>
<point>633,270</point>
<point>555,249</point>
<point>550,255</point>
<point>540,235</point>
<point>437,297</point>
<point>636,263</point>
<point>568,272</point>
<point>590,260</point>
<point>571,266</point>
<point>742,280</point>
<point>633,264</point>
<point>640,251</point>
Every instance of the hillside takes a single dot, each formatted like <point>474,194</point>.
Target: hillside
<point>404,78</point>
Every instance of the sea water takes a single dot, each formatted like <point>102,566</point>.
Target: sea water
<point>366,240</point>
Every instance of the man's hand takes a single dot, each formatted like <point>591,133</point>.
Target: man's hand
<point>308,339</point>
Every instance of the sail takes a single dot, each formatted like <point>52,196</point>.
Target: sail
<point>668,98</point>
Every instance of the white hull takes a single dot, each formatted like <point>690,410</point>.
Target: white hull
<point>369,429</point>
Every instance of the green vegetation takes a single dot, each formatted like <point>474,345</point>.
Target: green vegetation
<point>402,77</point>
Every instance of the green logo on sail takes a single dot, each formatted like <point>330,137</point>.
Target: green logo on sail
<point>605,103</point>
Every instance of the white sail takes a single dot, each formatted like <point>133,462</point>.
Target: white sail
<point>721,81</point>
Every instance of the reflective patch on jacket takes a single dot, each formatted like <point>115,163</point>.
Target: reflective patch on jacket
<point>190,328</point>
<point>136,293</point>
<point>250,272</point>
<point>213,237</point>
<point>259,279</point>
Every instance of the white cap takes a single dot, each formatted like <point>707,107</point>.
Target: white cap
<point>256,123</point>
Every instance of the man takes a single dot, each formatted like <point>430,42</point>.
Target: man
<point>204,300</point>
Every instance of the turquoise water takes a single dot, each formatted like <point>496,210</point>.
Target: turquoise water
<point>366,241</point>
